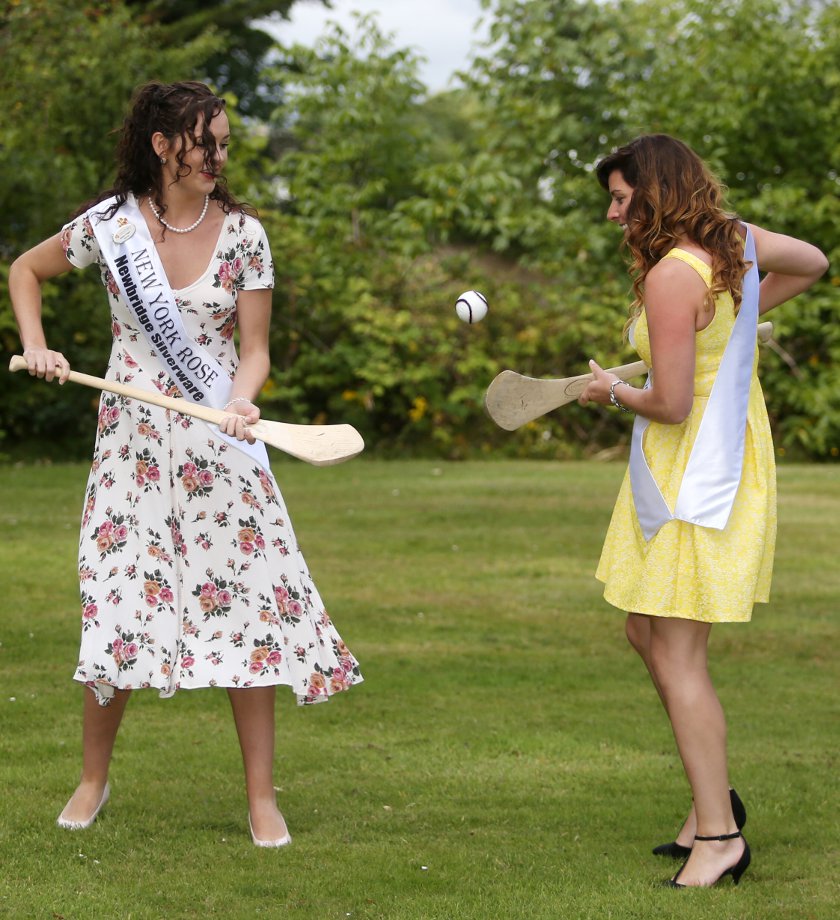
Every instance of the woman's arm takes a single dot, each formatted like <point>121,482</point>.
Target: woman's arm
<point>26,275</point>
<point>792,266</point>
<point>253,309</point>
<point>674,299</point>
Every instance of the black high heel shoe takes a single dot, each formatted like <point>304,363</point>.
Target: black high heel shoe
<point>678,851</point>
<point>735,871</point>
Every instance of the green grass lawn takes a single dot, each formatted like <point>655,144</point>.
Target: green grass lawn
<point>505,757</point>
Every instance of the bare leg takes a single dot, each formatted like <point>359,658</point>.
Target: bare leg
<point>678,656</point>
<point>99,732</point>
<point>253,713</point>
<point>638,635</point>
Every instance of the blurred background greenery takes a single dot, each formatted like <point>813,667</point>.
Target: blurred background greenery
<point>384,202</point>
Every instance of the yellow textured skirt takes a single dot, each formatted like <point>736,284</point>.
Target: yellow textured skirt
<point>688,571</point>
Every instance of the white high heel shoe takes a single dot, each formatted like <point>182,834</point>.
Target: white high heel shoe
<point>61,821</point>
<point>280,842</point>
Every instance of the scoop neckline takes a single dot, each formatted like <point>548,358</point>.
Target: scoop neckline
<point>209,265</point>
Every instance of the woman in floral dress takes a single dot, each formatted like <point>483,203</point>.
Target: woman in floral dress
<point>190,571</point>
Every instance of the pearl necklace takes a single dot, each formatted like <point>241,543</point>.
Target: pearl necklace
<point>180,229</point>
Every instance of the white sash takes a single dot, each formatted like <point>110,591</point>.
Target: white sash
<point>127,247</point>
<point>713,473</point>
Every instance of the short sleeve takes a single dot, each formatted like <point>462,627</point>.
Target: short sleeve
<point>258,268</point>
<point>79,243</point>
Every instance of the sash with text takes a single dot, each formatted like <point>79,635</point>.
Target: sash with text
<point>128,249</point>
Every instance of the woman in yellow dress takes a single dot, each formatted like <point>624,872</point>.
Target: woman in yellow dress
<point>692,536</point>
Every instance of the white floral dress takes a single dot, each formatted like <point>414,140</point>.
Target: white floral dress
<point>190,572</point>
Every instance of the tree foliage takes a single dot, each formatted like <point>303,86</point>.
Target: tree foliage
<point>68,72</point>
<point>508,165</point>
<point>382,205</point>
<point>751,85</point>
<point>245,44</point>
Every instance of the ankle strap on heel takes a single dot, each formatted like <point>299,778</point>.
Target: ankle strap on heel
<point>721,837</point>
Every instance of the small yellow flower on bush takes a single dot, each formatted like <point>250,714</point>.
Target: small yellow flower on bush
<point>418,408</point>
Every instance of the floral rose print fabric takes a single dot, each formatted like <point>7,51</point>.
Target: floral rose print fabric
<point>190,571</point>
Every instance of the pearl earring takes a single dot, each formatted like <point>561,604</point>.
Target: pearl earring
<point>162,161</point>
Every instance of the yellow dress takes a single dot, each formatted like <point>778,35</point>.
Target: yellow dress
<point>688,571</point>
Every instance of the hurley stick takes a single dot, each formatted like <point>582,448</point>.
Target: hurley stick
<point>320,445</point>
<point>512,399</point>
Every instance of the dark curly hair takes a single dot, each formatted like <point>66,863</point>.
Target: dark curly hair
<point>173,109</point>
<point>675,196</point>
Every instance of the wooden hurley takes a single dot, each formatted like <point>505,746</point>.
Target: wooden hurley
<point>513,399</point>
<point>320,445</point>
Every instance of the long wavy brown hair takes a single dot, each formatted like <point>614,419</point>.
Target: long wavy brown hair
<point>675,196</point>
<point>174,109</point>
